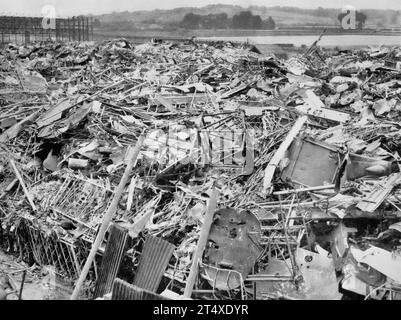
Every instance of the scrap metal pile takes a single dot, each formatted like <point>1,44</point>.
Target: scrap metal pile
<point>303,155</point>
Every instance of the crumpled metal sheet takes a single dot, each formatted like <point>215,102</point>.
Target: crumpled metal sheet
<point>317,282</point>
<point>33,82</point>
<point>361,166</point>
<point>232,248</point>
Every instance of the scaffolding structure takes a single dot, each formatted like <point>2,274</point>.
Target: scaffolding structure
<point>32,29</point>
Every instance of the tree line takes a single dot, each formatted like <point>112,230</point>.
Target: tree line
<point>242,20</point>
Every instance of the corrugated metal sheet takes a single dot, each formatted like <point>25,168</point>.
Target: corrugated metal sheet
<point>124,291</point>
<point>114,252</point>
<point>153,262</point>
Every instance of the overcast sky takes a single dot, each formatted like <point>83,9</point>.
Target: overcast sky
<point>71,7</point>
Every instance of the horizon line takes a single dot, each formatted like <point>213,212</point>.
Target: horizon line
<point>188,7</point>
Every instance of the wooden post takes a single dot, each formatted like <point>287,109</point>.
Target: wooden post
<point>204,234</point>
<point>108,216</point>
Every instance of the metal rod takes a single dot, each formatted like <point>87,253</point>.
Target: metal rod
<point>22,285</point>
<point>285,192</point>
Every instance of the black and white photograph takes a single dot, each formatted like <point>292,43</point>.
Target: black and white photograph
<point>231,153</point>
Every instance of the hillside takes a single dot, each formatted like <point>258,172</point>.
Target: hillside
<point>283,16</point>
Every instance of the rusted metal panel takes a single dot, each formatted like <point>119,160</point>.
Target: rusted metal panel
<point>114,252</point>
<point>154,259</point>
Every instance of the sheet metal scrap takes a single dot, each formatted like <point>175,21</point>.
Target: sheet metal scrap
<point>111,260</point>
<point>302,153</point>
<point>232,250</point>
<point>379,193</point>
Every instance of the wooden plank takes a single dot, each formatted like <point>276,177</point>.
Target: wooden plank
<point>274,162</point>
